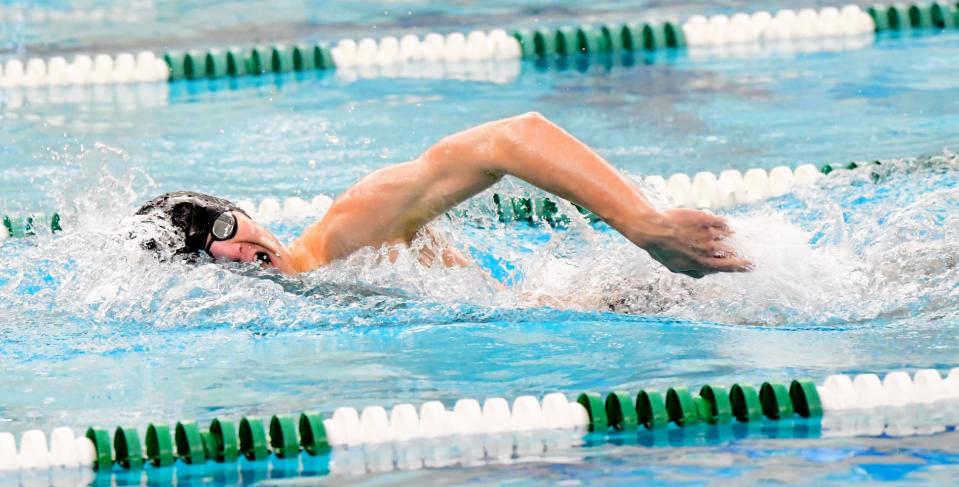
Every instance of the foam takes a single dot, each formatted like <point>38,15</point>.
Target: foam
<point>812,264</point>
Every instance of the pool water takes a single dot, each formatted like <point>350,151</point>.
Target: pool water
<point>859,273</point>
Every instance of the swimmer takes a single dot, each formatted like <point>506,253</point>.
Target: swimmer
<point>395,204</point>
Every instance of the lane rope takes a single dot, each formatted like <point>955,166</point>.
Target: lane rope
<point>825,406</point>
<point>739,29</point>
<point>704,190</point>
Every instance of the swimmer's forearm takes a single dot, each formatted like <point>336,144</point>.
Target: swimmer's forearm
<point>539,152</point>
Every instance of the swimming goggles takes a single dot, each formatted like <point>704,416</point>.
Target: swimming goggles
<point>223,228</point>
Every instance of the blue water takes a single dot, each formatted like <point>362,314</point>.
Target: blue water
<point>56,26</point>
<point>852,275</point>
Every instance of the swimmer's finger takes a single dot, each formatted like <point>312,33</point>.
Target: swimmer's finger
<point>720,234</point>
<point>718,249</point>
<point>729,264</point>
<point>719,223</point>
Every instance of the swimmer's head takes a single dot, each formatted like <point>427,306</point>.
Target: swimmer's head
<point>188,224</point>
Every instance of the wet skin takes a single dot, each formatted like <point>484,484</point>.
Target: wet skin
<point>395,204</point>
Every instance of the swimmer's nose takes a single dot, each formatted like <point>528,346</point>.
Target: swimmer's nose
<point>225,249</point>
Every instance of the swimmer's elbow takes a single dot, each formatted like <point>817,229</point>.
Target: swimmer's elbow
<point>528,118</point>
<point>491,149</point>
<point>521,134</point>
<point>523,129</point>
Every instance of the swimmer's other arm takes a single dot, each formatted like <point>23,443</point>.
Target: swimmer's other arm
<point>392,204</point>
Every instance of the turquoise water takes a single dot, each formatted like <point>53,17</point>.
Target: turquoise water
<point>857,274</point>
<point>79,25</point>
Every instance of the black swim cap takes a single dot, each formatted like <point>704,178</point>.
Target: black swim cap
<point>191,216</point>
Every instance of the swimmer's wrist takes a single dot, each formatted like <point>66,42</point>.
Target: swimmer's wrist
<point>646,225</point>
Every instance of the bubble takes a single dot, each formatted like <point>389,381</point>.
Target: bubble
<point>869,243</point>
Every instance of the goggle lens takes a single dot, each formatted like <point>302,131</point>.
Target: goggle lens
<point>224,227</point>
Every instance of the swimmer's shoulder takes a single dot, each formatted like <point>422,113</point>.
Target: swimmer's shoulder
<point>309,251</point>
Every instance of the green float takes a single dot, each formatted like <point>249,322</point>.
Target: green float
<point>159,445</point>
<point>566,43</point>
<point>943,15</point>
<point>323,57</point>
<point>621,411</point>
<point>612,37</point>
<point>589,41</point>
<point>654,37</point>
<point>236,62</point>
<point>651,409</point>
<point>194,65</point>
<point>720,409</point>
<point>253,443</point>
<point>681,407</point>
<point>544,43</point>
<point>189,443</point>
<point>126,444</point>
<point>313,434</point>
<point>283,438</point>
<point>745,403</point>
<point>216,64</point>
<point>703,410</point>
<point>897,17</point>
<point>674,35</point>
<point>174,61</point>
<point>775,400</point>
<point>526,44</point>
<point>879,17</point>
<point>101,443</point>
<point>260,60</point>
<point>632,37</point>
<point>303,58</point>
<point>920,16</point>
<point>209,444</point>
<point>596,409</point>
<point>225,445</point>
<point>805,398</point>
<point>281,59</point>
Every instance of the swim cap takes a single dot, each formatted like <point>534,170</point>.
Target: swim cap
<point>190,216</point>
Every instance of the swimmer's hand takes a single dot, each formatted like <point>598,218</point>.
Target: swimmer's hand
<point>691,242</point>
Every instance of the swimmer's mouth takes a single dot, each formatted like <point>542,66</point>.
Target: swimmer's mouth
<point>264,259</point>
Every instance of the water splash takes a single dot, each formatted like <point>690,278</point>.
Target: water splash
<point>848,250</point>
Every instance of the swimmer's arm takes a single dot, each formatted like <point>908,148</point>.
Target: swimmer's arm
<point>392,204</point>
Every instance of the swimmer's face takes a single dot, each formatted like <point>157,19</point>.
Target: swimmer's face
<point>252,243</point>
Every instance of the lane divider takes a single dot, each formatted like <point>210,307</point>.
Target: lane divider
<point>783,25</point>
<point>496,44</point>
<point>488,71</point>
<point>15,227</point>
<point>313,434</point>
<point>896,389</point>
<point>282,436</point>
<point>450,48</point>
<point>705,190</point>
<point>82,69</point>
